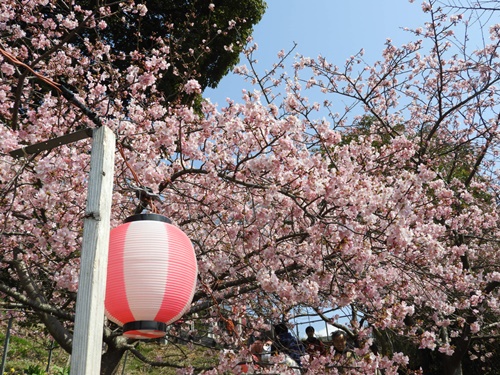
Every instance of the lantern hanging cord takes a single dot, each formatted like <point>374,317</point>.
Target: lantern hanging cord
<point>144,194</point>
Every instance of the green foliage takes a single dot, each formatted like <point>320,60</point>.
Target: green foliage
<point>34,370</point>
<point>60,370</point>
<point>21,347</point>
<point>370,126</point>
<point>29,355</point>
<point>175,353</point>
<point>202,45</point>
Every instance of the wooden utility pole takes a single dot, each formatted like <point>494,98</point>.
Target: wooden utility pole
<point>89,319</point>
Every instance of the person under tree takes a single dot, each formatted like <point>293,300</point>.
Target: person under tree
<point>287,344</point>
<point>314,346</point>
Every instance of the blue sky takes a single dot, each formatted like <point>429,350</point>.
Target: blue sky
<point>335,29</point>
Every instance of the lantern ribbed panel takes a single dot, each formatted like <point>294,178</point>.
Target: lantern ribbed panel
<point>152,273</point>
<point>179,292</point>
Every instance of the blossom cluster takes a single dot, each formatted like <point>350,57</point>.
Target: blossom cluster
<point>383,205</point>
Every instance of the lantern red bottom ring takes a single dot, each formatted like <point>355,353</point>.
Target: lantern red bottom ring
<point>142,329</point>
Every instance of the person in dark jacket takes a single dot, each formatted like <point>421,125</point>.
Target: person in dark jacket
<point>287,344</point>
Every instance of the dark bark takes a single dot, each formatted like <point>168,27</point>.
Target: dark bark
<point>51,322</point>
<point>452,365</point>
<point>110,360</point>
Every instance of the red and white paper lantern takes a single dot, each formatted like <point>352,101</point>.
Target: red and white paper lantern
<point>152,273</point>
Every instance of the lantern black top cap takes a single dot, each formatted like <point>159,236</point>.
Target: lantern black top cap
<point>150,217</point>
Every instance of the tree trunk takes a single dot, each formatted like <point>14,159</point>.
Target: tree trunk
<point>452,365</point>
<point>111,358</point>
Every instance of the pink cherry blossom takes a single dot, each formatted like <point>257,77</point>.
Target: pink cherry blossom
<point>359,189</point>
<point>192,87</point>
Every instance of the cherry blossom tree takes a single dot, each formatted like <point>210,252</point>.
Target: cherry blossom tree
<point>379,199</point>
<point>204,41</point>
